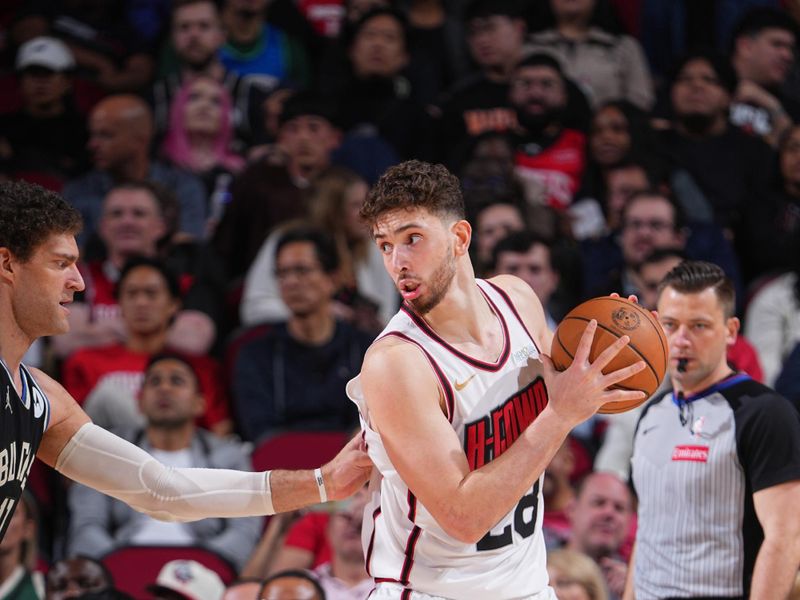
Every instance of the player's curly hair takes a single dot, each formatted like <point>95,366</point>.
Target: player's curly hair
<point>29,214</point>
<point>415,184</point>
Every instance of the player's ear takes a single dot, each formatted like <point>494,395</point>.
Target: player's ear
<point>6,264</point>
<point>463,234</point>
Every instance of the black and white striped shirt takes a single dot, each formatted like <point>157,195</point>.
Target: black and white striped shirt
<point>696,463</point>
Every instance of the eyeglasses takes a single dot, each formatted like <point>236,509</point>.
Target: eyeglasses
<point>299,271</point>
<point>653,224</point>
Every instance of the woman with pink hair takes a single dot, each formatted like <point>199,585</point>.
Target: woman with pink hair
<point>199,137</point>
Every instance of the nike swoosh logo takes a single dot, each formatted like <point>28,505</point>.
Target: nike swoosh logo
<point>649,429</point>
<point>462,385</point>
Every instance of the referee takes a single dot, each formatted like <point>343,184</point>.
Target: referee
<point>716,462</point>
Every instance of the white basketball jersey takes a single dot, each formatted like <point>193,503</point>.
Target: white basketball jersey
<point>489,405</point>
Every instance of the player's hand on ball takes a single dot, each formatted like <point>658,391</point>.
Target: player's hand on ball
<point>348,471</point>
<point>576,393</point>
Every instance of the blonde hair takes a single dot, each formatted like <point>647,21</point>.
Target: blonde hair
<point>581,569</point>
<point>326,202</point>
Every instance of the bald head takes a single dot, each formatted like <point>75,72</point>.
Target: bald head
<point>126,110</point>
<point>120,131</point>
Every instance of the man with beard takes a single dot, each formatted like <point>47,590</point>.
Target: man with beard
<point>717,167</point>
<point>550,157</point>
<point>461,408</point>
<point>171,398</point>
<point>197,35</point>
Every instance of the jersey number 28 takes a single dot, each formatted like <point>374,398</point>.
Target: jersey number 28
<point>523,527</point>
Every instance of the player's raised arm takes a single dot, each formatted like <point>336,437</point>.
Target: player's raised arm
<point>403,397</point>
<point>97,458</point>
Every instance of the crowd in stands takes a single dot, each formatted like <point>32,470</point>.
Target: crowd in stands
<point>219,151</point>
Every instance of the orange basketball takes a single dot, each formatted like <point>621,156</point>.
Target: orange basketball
<point>616,317</point>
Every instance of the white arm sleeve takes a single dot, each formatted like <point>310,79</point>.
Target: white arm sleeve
<point>109,464</point>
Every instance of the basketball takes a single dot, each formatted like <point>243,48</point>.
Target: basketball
<point>616,317</point>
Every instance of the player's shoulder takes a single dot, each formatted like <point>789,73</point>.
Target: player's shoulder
<point>521,298</point>
<point>52,388</point>
<point>513,287</point>
<point>394,358</point>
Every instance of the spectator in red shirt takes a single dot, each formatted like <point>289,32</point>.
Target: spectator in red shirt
<point>550,157</point>
<point>132,224</point>
<point>107,379</point>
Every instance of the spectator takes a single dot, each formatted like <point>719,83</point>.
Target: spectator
<point>608,66</point>
<point>105,47</point>
<point>196,37</point>
<point>243,589</point>
<point>292,584</point>
<point>686,541</point>
<point>376,95</point>
<point>187,580</point>
<point>345,577</point>
<point>170,400</point>
<point>575,576</point>
<point>618,135</point>
<point>772,321</point>
<point>777,219</point>
<point>270,191</point>
<point>131,225</point>
<point>72,577</point>
<point>718,169</point>
<point>107,379</point>
<point>293,376</point>
<point>621,183</point>
<point>199,140</point>
<point>437,47</point>
<point>549,156</point>
<point>366,295</point>
<point>558,494</point>
<point>120,132</point>
<point>46,139</point>
<point>495,32</point>
<point>529,257</point>
<point>200,131</point>
<point>763,53</point>
<point>601,520</point>
<point>650,220</point>
<point>18,580</point>
<point>493,222</point>
<point>255,47</point>
<point>338,532</point>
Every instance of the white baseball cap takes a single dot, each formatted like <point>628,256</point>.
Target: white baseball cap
<point>47,52</point>
<point>189,578</point>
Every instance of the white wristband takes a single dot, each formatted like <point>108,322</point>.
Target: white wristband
<point>323,495</point>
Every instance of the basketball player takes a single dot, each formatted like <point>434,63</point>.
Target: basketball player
<point>38,277</point>
<point>461,408</point>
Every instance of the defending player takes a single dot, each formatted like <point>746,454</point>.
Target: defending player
<point>38,278</point>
